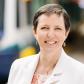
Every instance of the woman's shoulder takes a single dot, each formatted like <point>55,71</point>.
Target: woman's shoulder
<point>75,65</point>
<point>75,62</point>
<point>23,61</point>
<point>70,62</point>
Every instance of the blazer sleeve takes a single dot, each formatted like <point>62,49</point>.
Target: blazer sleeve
<point>13,72</point>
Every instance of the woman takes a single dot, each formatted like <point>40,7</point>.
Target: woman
<point>51,65</point>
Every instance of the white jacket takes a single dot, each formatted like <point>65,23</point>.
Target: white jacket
<point>67,71</point>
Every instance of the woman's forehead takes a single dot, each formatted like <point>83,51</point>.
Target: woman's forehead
<point>53,17</point>
<point>53,20</point>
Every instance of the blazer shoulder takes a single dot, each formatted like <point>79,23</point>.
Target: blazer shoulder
<point>70,61</point>
<point>75,64</point>
<point>74,61</point>
<point>23,61</point>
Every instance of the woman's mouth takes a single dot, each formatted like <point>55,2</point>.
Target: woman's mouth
<point>51,42</point>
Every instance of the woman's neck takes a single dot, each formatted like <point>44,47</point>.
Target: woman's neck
<point>47,62</point>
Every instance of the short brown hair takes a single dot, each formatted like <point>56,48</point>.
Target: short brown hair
<point>51,9</point>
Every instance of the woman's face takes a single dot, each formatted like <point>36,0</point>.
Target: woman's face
<point>51,32</point>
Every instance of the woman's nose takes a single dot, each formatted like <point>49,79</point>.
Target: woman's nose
<point>51,34</point>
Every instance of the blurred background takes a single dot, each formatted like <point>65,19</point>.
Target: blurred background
<point>16,39</point>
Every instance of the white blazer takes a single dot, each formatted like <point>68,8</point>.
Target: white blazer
<point>67,71</point>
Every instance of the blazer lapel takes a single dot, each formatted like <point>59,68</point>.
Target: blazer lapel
<point>29,71</point>
<point>57,73</point>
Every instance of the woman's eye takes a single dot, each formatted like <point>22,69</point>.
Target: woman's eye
<point>44,28</point>
<point>58,29</point>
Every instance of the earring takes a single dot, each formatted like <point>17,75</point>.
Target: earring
<point>64,44</point>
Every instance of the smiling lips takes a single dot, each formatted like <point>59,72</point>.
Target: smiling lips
<point>50,42</point>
